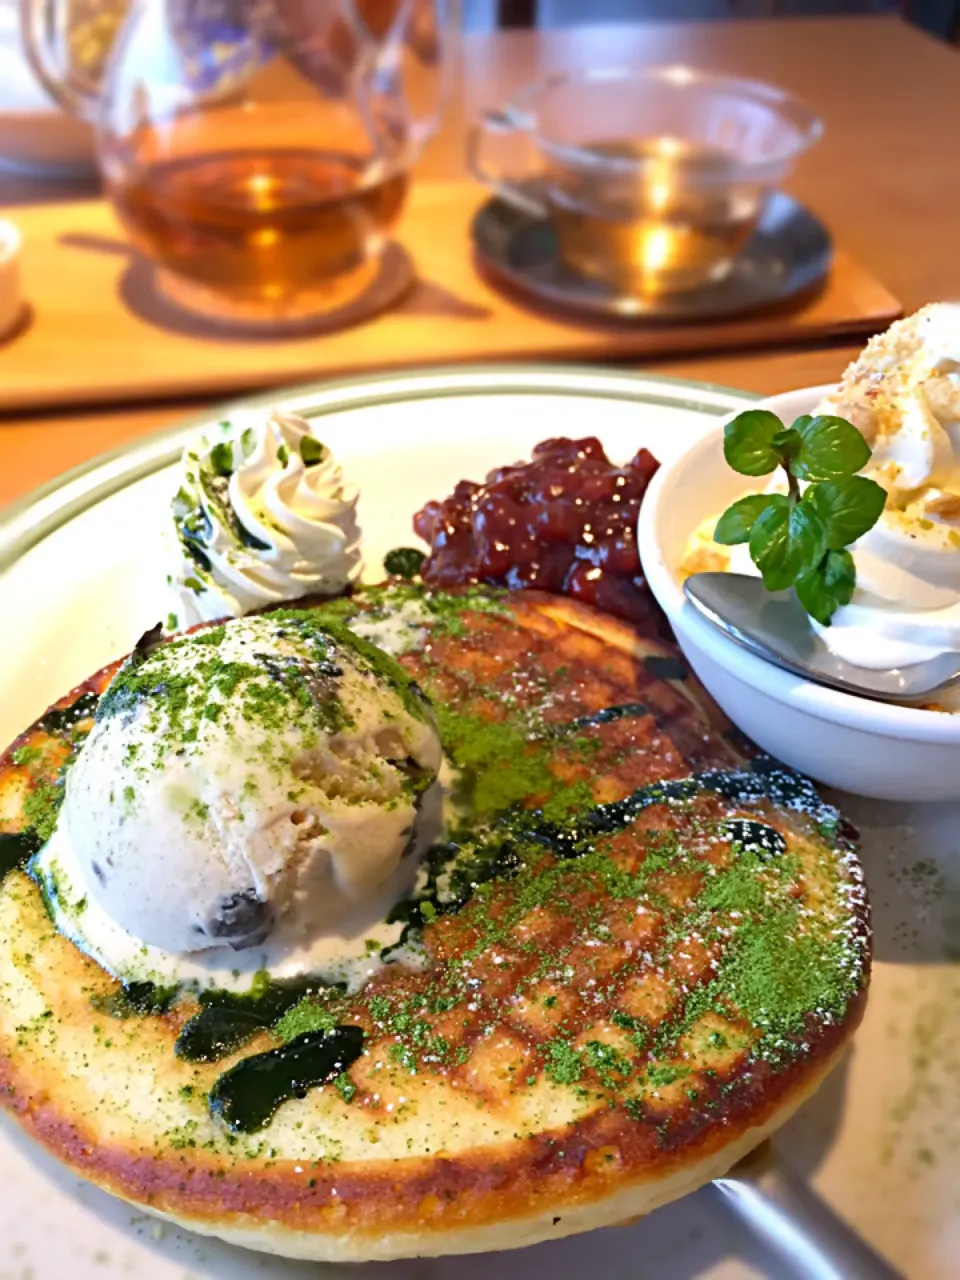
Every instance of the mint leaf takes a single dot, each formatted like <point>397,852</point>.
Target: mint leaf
<point>830,585</point>
<point>816,597</point>
<point>748,442</point>
<point>848,508</point>
<point>787,444</point>
<point>770,544</point>
<point>831,448</point>
<point>798,539</point>
<point>840,575</point>
<point>786,541</point>
<point>808,539</point>
<point>736,522</point>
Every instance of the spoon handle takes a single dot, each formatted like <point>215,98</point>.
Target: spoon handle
<point>803,1232</point>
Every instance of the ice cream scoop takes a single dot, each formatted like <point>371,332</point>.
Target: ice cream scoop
<point>253,779</point>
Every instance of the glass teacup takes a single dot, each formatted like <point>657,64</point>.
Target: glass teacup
<point>654,177</point>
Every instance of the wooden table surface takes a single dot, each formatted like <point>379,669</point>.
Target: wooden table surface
<point>885,178</point>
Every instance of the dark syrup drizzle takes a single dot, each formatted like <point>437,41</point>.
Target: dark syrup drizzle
<point>500,855</point>
<point>60,719</point>
<point>247,1096</point>
<point>227,1019</point>
<point>754,837</point>
<point>16,850</point>
<point>136,1000</point>
<point>623,711</point>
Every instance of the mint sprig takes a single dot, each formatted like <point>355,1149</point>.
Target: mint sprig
<point>798,539</point>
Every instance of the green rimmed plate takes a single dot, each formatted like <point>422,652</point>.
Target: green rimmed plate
<point>82,573</point>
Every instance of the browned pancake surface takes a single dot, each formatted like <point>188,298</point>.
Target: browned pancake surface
<point>642,981</point>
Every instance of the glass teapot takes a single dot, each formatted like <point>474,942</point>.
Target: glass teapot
<point>258,151</point>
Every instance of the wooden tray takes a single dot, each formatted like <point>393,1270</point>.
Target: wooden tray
<point>98,331</point>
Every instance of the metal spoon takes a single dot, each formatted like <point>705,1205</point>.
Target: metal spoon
<point>773,625</point>
<point>806,1236</point>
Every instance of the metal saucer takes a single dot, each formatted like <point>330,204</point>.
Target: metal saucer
<point>787,256</point>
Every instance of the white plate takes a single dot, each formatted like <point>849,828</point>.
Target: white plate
<point>81,576</point>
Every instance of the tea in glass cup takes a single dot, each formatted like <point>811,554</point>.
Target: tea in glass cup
<point>654,178</point>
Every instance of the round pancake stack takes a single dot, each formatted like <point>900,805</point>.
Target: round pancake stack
<point>641,953</point>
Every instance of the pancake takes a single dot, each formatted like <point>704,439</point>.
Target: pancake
<point>637,956</point>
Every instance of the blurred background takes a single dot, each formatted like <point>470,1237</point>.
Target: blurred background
<point>30,132</point>
<point>939,17</point>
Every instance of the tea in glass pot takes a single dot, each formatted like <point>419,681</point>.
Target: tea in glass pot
<point>259,151</point>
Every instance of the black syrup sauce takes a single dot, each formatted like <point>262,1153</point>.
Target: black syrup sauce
<point>247,1096</point>
<point>754,837</point>
<point>765,780</point>
<point>227,1019</point>
<point>136,1000</point>
<point>623,711</point>
<point>16,850</point>
<point>500,853</point>
<point>62,719</point>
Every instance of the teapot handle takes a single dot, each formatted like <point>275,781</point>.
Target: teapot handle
<point>432,43</point>
<point>39,24</point>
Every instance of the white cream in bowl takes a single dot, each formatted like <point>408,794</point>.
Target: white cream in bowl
<point>903,394</point>
<point>868,747</point>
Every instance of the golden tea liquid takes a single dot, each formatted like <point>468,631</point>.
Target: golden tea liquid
<point>264,227</point>
<point>652,215</point>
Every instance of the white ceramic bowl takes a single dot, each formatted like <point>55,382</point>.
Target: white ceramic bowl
<point>871,748</point>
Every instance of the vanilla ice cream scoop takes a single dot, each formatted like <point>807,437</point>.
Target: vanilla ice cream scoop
<point>251,780</point>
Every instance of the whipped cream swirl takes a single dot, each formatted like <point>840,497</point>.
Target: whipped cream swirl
<point>262,515</point>
<point>903,393</point>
